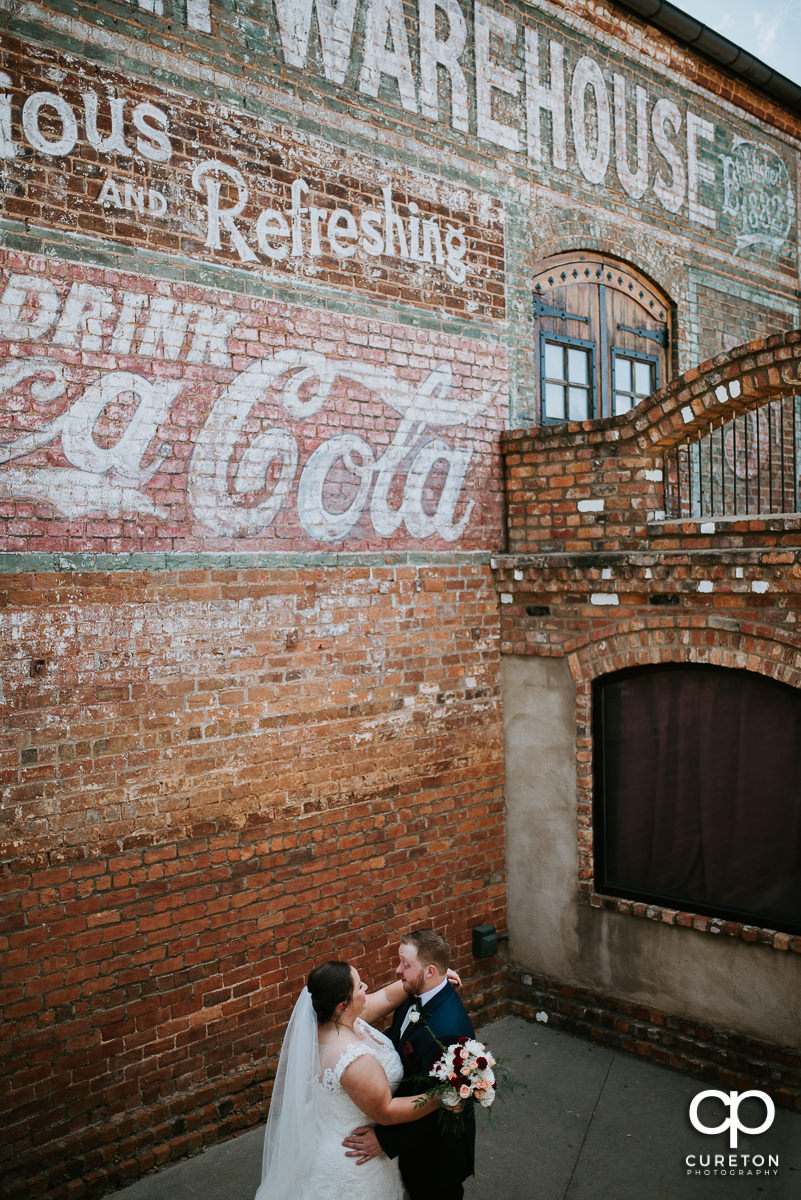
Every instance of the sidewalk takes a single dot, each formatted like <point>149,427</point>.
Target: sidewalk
<point>587,1124</point>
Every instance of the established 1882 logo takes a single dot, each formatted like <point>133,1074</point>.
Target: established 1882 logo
<point>757,194</point>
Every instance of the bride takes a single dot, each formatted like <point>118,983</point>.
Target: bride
<point>335,1070</point>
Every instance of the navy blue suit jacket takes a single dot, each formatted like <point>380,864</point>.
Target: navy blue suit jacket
<point>428,1157</point>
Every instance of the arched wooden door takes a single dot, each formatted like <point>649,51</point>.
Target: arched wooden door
<point>603,332</point>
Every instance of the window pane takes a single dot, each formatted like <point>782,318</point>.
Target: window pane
<point>578,402</point>
<point>554,361</point>
<point>578,366</point>
<point>555,401</point>
<point>622,374</point>
<point>643,377</point>
<point>622,403</point>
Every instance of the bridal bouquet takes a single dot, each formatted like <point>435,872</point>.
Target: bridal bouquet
<point>464,1071</point>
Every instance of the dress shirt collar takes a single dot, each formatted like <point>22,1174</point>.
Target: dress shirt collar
<point>424,997</point>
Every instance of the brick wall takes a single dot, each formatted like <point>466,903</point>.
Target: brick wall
<point>695,1048</point>
<point>595,573</point>
<point>147,989</point>
<point>139,702</point>
<point>264,311</point>
<point>213,779</point>
<point>600,486</point>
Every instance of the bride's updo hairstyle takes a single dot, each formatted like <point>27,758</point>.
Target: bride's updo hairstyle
<point>330,984</point>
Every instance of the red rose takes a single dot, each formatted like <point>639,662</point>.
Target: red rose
<point>482,1064</point>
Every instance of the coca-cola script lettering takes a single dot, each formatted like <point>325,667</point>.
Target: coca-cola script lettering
<point>228,468</point>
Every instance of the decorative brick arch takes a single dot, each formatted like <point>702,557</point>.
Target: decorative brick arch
<point>715,392</point>
<point>683,638</point>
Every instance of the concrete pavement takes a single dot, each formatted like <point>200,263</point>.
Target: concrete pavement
<point>587,1123</point>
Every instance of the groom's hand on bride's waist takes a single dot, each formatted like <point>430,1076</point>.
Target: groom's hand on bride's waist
<point>362,1144</point>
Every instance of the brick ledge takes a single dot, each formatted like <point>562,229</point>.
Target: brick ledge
<point>701,1051</point>
<point>717,926</point>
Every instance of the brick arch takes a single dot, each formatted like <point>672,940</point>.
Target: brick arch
<point>715,392</point>
<point>683,638</point>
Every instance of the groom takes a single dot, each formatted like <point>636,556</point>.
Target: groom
<point>433,1162</point>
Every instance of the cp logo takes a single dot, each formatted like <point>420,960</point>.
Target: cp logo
<point>732,1101</point>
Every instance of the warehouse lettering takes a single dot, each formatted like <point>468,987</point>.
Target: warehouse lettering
<point>653,145</point>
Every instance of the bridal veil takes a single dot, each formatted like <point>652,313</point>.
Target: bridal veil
<point>291,1120</point>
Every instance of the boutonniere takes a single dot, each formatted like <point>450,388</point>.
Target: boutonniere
<point>414,1014</point>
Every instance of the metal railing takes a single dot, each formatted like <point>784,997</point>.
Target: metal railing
<point>749,465</point>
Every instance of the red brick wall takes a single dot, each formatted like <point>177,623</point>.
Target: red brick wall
<point>147,174</point>
<point>259,733</point>
<point>599,485</point>
<point>595,573</point>
<point>147,989</point>
<point>140,702</point>
<point>199,807</point>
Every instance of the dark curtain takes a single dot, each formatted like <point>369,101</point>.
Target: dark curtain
<point>698,800</point>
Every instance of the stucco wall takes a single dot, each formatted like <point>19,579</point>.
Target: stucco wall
<point>746,988</point>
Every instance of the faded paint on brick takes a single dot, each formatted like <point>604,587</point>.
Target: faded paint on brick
<point>118,160</point>
<point>137,703</point>
<point>143,416</point>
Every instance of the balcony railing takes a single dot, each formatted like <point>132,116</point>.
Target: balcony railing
<point>749,465</point>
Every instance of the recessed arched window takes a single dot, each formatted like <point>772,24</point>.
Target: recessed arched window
<point>603,336</point>
<point>697,792</point>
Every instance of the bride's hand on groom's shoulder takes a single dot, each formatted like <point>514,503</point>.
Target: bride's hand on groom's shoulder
<point>454,977</point>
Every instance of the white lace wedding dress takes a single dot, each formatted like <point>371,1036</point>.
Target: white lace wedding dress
<point>328,1174</point>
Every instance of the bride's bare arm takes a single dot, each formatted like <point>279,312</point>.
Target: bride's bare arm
<point>386,999</point>
<point>383,1002</point>
<point>366,1084</point>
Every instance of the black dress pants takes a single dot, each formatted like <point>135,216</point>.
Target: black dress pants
<point>453,1191</point>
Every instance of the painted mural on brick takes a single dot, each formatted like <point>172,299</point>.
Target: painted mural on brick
<point>589,114</point>
<point>593,117</point>
<point>138,415</point>
<point>96,153</point>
